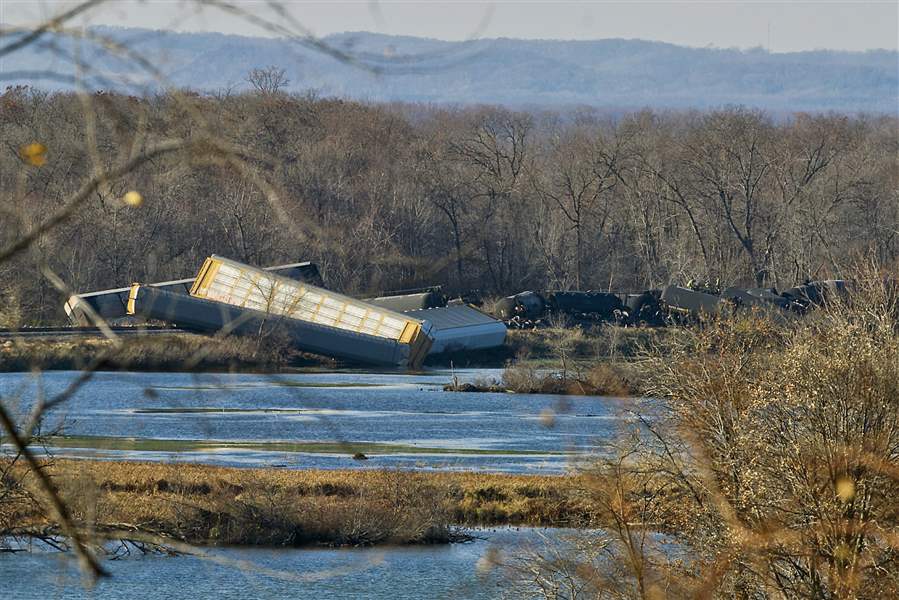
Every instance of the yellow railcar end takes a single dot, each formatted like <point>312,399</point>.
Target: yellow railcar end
<point>132,297</point>
<point>205,277</point>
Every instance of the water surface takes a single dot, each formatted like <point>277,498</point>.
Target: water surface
<point>318,420</point>
<point>395,573</point>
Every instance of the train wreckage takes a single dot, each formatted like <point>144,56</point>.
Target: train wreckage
<point>670,305</point>
<point>401,329</point>
<point>228,297</point>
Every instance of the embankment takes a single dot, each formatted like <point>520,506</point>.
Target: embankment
<point>176,352</point>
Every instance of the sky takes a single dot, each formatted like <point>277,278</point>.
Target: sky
<point>783,26</point>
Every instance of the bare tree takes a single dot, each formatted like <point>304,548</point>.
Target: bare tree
<point>579,183</point>
<point>269,80</point>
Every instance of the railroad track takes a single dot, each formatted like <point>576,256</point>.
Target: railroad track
<point>76,332</point>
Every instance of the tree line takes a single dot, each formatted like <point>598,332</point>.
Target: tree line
<point>395,196</point>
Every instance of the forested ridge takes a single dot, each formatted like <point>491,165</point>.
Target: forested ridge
<point>612,73</point>
<point>392,196</point>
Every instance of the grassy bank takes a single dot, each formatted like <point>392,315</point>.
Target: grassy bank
<point>212,505</point>
<point>575,350</point>
<point>602,361</point>
<point>613,379</point>
<point>550,347</point>
<point>176,352</point>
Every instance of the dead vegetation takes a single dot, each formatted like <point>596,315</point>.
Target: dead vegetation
<point>662,195</point>
<point>161,352</point>
<point>774,467</point>
<point>208,505</point>
<point>770,470</point>
<point>598,361</point>
<point>603,379</point>
<point>579,344</point>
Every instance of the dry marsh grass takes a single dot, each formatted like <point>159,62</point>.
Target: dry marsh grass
<point>550,346</point>
<point>545,348</point>
<point>602,379</point>
<point>212,505</point>
<point>599,342</point>
<point>175,352</point>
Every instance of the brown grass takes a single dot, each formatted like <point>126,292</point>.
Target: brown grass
<point>601,342</point>
<point>176,352</point>
<point>187,352</point>
<point>213,505</point>
<point>600,361</point>
<point>542,346</point>
<point>603,379</point>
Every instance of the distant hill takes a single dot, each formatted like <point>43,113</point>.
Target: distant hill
<point>605,73</point>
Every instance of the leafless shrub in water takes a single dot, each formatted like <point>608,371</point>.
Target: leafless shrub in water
<point>772,466</point>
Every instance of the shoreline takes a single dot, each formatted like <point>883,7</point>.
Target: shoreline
<point>189,353</point>
<point>599,362</point>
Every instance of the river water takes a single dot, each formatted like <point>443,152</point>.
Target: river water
<point>318,420</point>
<point>293,421</point>
<point>395,573</point>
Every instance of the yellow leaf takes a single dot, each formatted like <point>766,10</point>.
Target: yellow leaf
<point>845,489</point>
<point>133,198</point>
<point>35,154</point>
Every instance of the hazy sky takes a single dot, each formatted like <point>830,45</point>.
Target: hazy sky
<point>786,25</point>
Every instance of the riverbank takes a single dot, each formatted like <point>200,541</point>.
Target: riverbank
<point>602,361</point>
<point>207,505</point>
<point>181,352</point>
<point>618,379</point>
<point>555,347</point>
<point>550,348</point>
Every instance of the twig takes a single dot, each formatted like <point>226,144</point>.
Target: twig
<point>86,559</point>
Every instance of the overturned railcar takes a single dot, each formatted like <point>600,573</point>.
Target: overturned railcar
<point>644,308</point>
<point>687,301</point>
<point>591,304</point>
<point>460,327</point>
<point>818,293</point>
<point>230,282</point>
<point>525,305</point>
<point>112,304</point>
<point>207,316</point>
<point>405,302</point>
<point>755,298</point>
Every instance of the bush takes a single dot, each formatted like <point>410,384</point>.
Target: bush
<point>795,434</point>
<point>771,470</point>
<point>606,379</point>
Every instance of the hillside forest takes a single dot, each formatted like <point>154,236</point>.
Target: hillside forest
<point>396,196</point>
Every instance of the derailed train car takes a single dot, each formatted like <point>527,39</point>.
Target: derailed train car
<point>228,297</point>
<point>671,305</point>
<point>817,293</point>
<point>686,302</point>
<point>207,316</point>
<point>531,308</point>
<point>602,304</point>
<point>407,301</point>
<point>461,328</point>
<point>230,282</point>
<point>644,308</point>
<point>112,304</point>
<point>403,328</point>
<point>797,300</point>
